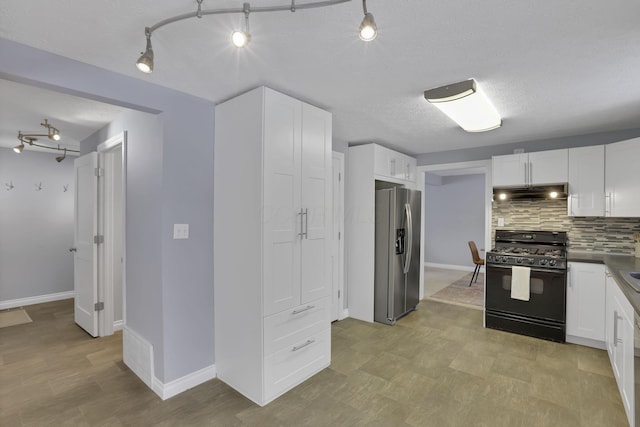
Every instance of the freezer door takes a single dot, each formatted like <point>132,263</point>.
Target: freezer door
<point>414,201</point>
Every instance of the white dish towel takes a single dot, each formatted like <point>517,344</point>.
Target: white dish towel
<point>520,283</point>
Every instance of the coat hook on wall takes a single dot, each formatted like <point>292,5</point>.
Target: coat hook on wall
<point>65,188</point>
<point>9,185</point>
<point>39,186</point>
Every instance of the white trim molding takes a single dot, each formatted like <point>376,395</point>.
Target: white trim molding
<point>118,325</point>
<point>448,266</point>
<point>172,388</point>
<point>21,302</point>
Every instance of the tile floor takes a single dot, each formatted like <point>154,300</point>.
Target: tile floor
<point>436,367</point>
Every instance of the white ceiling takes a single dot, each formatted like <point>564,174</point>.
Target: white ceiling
<point>552,68</point>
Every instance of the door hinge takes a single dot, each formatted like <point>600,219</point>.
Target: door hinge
<point>339,177</point>
<point>98,171</point>
<point>99,306</point>
<point>338,293</point>
<point>98,239</point>
<point>339,235</point>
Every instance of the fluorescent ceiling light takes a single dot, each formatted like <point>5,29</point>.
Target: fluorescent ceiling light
<point>466,105</point>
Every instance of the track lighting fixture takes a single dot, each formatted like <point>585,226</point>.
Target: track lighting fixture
<point>368,30</point>
<point>145,62</point>
<point>242,38</point>
<point>31,138</point>
<point>61,158</point>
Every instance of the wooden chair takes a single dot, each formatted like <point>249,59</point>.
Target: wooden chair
<point>479,262</point>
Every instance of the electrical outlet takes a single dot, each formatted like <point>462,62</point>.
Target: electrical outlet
<point>500,222</point>
<point>180,231</point>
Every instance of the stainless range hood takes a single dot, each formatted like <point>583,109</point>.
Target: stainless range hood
<point>537,192</point>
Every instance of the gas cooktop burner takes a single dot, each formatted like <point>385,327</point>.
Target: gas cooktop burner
<point>541,249</point>
<point>556,253</point>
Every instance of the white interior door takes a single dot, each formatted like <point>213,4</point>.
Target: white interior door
<point>85,275</point>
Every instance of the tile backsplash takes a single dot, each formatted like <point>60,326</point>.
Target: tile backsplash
<point>611,235</point>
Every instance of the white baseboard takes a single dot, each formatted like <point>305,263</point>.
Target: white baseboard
<point>172,388</point>
<point>449,266</point>
<point>21,302</point>
<point>118,325</point>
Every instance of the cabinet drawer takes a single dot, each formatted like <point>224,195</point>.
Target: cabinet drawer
<point>290,327</point>
<point>290,366</point>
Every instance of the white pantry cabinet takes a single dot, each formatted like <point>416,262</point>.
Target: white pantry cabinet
<point>586,304</point>
<point>527,169</point>
<point>622,179</point>
<point>272,224</point>
<point>619,337</point>
<point>586,181</point>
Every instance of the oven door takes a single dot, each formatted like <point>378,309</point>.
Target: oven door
<point>547,293</point>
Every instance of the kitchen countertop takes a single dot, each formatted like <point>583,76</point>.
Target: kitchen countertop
<point>615,264</point>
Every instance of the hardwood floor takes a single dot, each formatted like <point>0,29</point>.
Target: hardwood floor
<point>436,367</point>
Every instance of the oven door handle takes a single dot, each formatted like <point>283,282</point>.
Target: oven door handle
<point>538,270</point>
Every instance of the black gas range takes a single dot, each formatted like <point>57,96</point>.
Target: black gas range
<point>543,256</point>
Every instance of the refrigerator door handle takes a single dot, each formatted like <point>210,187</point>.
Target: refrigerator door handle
<point>409,248</point>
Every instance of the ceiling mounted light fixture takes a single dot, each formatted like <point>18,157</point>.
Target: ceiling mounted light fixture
<point>242,38</point>
<point>30,138</point>
<point>466,105</point>
<point>368,29</point>
<point>61,158</point>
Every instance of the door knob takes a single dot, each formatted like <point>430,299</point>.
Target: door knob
<point>72,249</point>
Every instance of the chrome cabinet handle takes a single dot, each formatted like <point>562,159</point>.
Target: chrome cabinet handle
<point>530,173</point>
<point>306,223</point>
<point>526,172</point>
<point>73,249</point>
<point>301,233</point>
<point>607,204</point>
<point>302,310</point>
<point>301,346</point>
<point>616,340</point>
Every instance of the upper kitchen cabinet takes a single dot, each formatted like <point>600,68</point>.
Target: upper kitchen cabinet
<point>392,166</point>
<point>527,169</point>
<point>272,259</point>
<point>586,181</point>
<point>622,179</point>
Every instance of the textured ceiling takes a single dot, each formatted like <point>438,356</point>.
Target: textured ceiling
<point>552,68</point>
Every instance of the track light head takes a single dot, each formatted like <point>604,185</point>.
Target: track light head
<point>240,38</point>
<point>145,62</point>
<point>18,148</point>
<point>368,28</point>
<point>61,158</point>
<point>55,135</point>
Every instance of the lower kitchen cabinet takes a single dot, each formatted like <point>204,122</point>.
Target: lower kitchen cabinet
<point>585,304</point>
<point>619,337</point>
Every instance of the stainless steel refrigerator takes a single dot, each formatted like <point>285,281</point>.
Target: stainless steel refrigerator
<point>397,253</point>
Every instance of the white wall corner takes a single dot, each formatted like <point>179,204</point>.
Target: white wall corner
<point>21,302</point>
<point>175,387</point>
<point>345,314</point>
<point>137,354</point>
<point>118,325</point>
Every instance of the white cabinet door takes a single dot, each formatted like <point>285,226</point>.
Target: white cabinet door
<point>548,167</point>
<point>316,202</point>
<point>586,301</point>
<point>586,181</point>
<point>510,170</point>
<point>625,331</point>
<point>622,178</point>
<point>382,161</point>
<point>609,314</point>
<point>282,214</point>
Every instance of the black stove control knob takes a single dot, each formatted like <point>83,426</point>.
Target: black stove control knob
<point>552,262</point>
<point>531,261</point>
<point>543,262</point>
<point>519,260</point>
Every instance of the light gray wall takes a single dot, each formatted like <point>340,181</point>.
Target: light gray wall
<point>455,214</point>
<point>36,227</point>
<point>169,283</point>
<point>484,153</point>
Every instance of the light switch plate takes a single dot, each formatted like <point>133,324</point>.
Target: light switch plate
<point>500,222</point>
<point>180,231</point>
